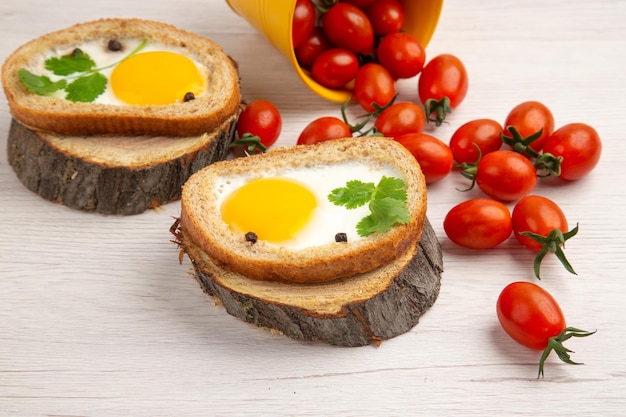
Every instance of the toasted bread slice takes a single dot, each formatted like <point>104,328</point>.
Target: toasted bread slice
<point>203,114</point>
<point>202,223</point>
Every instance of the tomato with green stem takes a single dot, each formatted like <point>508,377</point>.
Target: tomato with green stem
<point>503,175</point>
<point>578,147</point>
<point>533,318</point>
<point>402,54</point>
<point>529,118</point>
<point>540,225</point>
<point>433,155</point>
<point>474,138</point>
<point>374,87</point>
<point>400,118</point>
<point>479,223</point>
<point>442,86</point>
<point>258,126</point>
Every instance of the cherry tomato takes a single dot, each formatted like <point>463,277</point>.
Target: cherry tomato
<point>401,118</point>
<point>303,21</point>
<point>434,156</point>
<point>484,133</point>
<point>529,314</point>
<point>386,16</point>
<point>335,67</point>
<point>480,223</point>
<point>373,84</point>
<point>309,50</point>
<point>506,175</point>
<point>348,27</point>
<point>402,54</point>
<point>260,118</point>
<point>580,147</point>
<point>324,128</point>
<point>528,118</point>
<point>444,76</point>
<point>537,214</point>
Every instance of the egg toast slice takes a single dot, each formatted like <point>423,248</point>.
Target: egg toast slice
<point>202,218</point>
<point>202,105</point>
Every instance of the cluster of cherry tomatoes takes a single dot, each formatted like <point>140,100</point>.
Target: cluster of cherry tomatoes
<point>505,161</point>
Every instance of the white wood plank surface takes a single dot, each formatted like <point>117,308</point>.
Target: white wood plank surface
<point>97,317</point>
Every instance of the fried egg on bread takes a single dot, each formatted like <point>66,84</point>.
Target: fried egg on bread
<point>146,90</point>
<point>284,202</point>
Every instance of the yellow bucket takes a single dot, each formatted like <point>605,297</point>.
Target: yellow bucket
<point>273,19</point>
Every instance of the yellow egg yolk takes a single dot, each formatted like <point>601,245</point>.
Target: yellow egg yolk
<point>158,77</point>
<point>275,208</point>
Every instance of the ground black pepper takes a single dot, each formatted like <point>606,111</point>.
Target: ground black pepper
<point>189,96</point>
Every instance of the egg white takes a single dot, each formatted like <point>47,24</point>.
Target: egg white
<point>328,218</point>
<point>104,58</point>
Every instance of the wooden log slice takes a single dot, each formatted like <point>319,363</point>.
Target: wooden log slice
<point>112,174</point>
<point>357,311</point>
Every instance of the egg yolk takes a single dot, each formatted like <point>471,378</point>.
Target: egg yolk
<point>158,77</point>
<point>275,208</point>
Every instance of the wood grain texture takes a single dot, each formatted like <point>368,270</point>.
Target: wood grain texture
<point>344,313</point>
<point>68,176</point>
<point>98,319</point>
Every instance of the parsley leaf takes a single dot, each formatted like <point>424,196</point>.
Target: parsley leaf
<point>387,203</point>
<point>355,194</point>
<point>40,84</point>
<point>87,83</point>
<point>86,88</point>
<point>77,61</point>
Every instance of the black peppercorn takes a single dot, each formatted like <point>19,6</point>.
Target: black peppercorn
<point>114,45</point>
<point>341,237</point>
<point>251,237</point>
<point>189,96</point>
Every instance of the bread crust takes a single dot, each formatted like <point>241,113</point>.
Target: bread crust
<point>201,218</point>
<point>64,117</point>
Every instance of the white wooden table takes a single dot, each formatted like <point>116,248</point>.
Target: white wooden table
<point>97,317</point>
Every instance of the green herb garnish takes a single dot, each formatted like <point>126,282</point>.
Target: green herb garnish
<point>387,203</point>
<point>81,79</point>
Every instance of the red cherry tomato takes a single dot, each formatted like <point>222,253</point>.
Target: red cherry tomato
<point>324,128</point>
<point>303,21</point>
<point>537,214</point>
<point>434,156</point>
<point>386,16</point>
<point>580,147</point>
<point>506,175</point>
<point>528,118</point>
<point>484,133</point>
<point>348,27</point>
<point>309,50</point>
<point>444,76</point>
<point>402,54</point>
<point>260,118</point>
<point>373,84</point>
<point>401,118</point>
<point>529,314</point>
<point>480,223</point>
<point>335,67</point>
